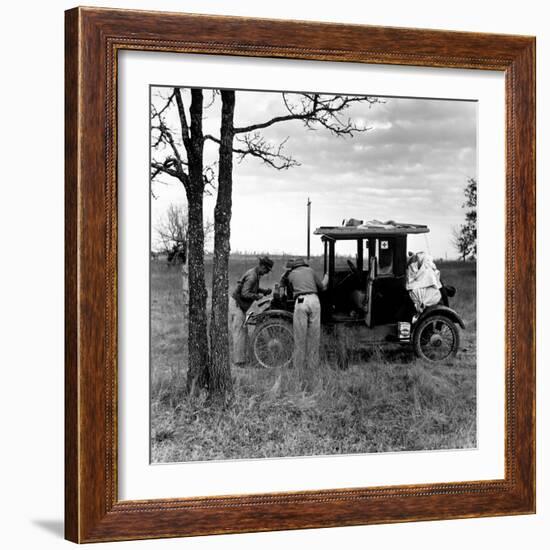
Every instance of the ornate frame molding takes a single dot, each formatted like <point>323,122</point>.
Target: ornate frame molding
<point>93,39</point>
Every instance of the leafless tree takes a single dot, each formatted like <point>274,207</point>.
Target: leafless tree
<point>183,159</point>
<point>179,153</point>
<point>171,230</point>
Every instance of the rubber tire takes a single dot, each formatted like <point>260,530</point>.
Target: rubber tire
<point>269,322</point>
<point>418,331</point>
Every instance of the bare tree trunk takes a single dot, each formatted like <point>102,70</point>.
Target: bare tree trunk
<point>220,382</point>
<point>185,283</point>
<point>185,292</point>
<point>197,374</point>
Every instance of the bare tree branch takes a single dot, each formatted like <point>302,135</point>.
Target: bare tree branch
<point>174,165</point>
<point>183,119</point>
<point>168,103</point>
<point>316,109</point>
<point>164,167</point>
<point>215,93</point>
<point>257,146</point>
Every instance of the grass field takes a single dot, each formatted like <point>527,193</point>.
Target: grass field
<point>386,401</point>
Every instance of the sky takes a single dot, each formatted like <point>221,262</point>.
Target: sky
<point>412,165</point>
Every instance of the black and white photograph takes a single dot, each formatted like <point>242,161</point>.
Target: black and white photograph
<point>312,274</point>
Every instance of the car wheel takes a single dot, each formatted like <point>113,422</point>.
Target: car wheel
<point>436,338</point>
<point>273,343</point>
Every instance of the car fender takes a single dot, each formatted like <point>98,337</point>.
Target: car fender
<point>441,310</point>
<point>255,318</point>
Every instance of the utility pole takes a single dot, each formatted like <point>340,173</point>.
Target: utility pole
<point>308,227</point>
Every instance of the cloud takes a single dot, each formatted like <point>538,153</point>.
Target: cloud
<point>412,164</point>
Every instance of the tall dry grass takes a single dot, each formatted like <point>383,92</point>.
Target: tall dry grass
<point>386,401</point>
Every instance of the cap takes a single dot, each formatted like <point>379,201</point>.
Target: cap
<point>266,262</point>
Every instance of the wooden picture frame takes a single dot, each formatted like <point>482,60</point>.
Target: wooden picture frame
<point>93,511</point>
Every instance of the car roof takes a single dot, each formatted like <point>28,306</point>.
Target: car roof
<point>370,229</point>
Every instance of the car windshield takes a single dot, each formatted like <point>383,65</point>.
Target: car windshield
<point>344,251</point>
<point>347,250</point>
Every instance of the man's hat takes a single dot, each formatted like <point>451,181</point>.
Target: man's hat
<point>266,262</point>
<point>295,262</point>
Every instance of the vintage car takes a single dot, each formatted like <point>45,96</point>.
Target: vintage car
<point>366,302</point>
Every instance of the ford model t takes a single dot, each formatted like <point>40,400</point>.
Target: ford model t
<point>366,303</point>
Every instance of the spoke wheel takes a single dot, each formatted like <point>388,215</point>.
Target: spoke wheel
<point>273,343</point>
<point>436,338</point>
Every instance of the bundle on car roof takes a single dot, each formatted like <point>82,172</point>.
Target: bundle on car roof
<point>357,228</point>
